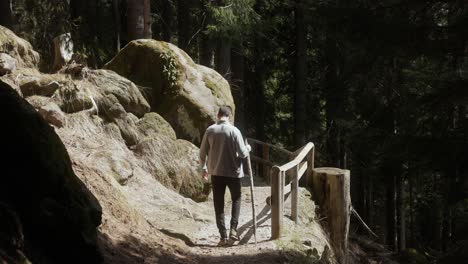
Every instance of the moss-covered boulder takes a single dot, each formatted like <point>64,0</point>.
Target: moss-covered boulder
<point>154,124</point>
<point>18,48</point>
<point>187,95</point>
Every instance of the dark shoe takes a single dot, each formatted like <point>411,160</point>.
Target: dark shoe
<point>223,242</point>
<point>233,235</point>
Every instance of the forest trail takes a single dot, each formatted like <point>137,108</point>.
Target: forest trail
<point>194,225</point>
<point>206,237</point>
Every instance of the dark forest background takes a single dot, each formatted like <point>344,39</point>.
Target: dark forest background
<point>381,88</point>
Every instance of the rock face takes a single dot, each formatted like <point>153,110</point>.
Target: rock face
<point>187,95</point>
<point>105,115</point>
<point>18,48</point>
<point>57,213</point>
<point>7,64</point>
<point>53,115</point>
<point>83,91</point>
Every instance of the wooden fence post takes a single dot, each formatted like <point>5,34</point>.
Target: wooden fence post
<point>294,193</point>
<point>276,199</point>
<point>331,191</point>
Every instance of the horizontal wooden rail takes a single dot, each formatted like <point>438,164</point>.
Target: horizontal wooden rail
<point>287,187</point>
<point>262,161</point>
<point>280,149</point>
<point>305,150</point>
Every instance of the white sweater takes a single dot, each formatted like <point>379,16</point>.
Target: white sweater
<point>224,146</point>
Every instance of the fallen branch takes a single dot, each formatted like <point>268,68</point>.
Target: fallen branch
<point>362,222</point>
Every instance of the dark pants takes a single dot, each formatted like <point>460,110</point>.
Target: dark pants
<point>219,188</point>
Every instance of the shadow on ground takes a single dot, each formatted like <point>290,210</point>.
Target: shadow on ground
<point>133,250</point>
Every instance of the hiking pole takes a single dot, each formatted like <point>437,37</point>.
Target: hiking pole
<point>254,215</point>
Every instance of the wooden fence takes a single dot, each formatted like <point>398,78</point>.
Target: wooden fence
<point>301,163</point>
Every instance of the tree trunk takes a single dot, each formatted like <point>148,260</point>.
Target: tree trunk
<point>182,23</point>
<point>168,18</point>
<point>335,102</point>
<point>106,27</point>
<point>223,58</point>
<point>258,88</point>
<point>207,48</point>
<point>138,19</point>
<point>206,45</point>
<point>237,86</point>
<point>438,226</point>
<point>6,13</point>
<point>98,28</point>
<point>370,201</point>
<point>117,22</point>
<point>401,214</point>
<point>300,74</point>
<point>85,11</point>
<point>392,235</point>
<point>411,210</point>
<point>447,228</point>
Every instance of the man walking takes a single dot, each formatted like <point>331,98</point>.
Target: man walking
<point>221,153</point>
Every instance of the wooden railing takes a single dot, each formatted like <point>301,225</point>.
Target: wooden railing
<point>301,163</point>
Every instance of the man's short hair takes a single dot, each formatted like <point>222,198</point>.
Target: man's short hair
<point>224,110</point>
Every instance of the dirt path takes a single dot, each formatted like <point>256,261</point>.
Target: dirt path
<point>194,224</point>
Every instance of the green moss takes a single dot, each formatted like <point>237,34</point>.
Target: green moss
<point>199,121</point>
<point>170,69</point>
<point>210,84</point>
<point>219,87</point>
<point>148,63</point>
<point>153,123</point>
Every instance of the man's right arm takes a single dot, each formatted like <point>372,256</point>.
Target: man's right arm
<point>242,149</point>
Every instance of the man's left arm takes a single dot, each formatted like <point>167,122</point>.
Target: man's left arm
<point>202,155</point>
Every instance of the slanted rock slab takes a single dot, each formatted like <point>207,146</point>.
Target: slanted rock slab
<point>7,64</point>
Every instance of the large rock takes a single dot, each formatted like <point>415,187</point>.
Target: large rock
<point>118,120</point>
<point>58,214</point>
<point>187,95</point>
<point>18,48</point>
<point>103,145</point>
